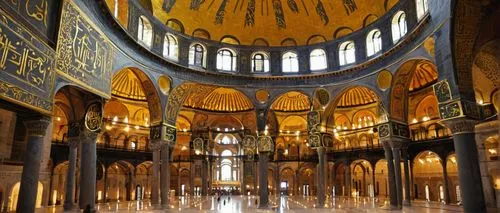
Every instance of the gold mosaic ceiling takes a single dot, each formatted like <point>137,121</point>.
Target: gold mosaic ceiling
<point>270,21</point>
<point>424,75</point>
<point>219,99</point>
<point>357,96</point>
<point>126,84</point>
<point>291,102</point>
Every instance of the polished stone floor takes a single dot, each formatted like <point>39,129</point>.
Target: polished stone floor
<point>236,204</point>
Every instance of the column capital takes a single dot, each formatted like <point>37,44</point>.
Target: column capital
<point>265,144</point>
<point>461,125</point>
<point>73,142</point>
<point>37,127</point>
<point>87,136</point>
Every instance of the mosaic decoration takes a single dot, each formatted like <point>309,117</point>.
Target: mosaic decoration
<point>278,12</point>
<point>384,131</point>
<point>313,120</point>
<point>442,91</point>
<point>248,141</point>
<point>265,143</point>
<point>450,110</point>
<point>400,130</point>
<point>170,133</point>
<point>320,10</point>
<point>350,6</point>
<point>168,4</point>
<point>198,144</point>
<point>39,13</point>
<point>323,96</point>
<point>293,6</point>
<point>93,117</point>
<point>250,15</point>
<point>27,66</point>
<point>84,54</point>
<point>219,16</point>
<point>175,101</point>
<point>315,141</point>
<point>327,140</point>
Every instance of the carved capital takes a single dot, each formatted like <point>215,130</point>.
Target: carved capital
<point>87,136</point>
<point>37,127</point>
<point>461,125</point>
<point>155,145</point>
<point>73,142</point>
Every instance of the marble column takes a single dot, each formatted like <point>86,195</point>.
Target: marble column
<point>321,177</point>
<point>446,184</point>
<point>165,176</point>
<point>155,177</point>
<point>396,153</point>
<point>204,174</point>
<point>391,177</point>
<point>469,174</point>
<point>348,181</point>
<point>36,129</point>
<point>70,175</point>
<point>407,200</point>
<point>263,190</point>
<point>88,169</point>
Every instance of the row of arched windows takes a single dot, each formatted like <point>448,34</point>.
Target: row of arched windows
<point>227,58</point>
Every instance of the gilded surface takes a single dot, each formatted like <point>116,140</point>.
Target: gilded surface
<point>265,143</point>
<point>27,67</point>
<point>175,101</point>
<point>39,13</point>
<point>442,91</point>
<point>93,117</point>
<point>84,55</point>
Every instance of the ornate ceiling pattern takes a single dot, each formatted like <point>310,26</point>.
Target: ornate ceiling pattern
<point>274,21</point>
<point>292,102</point>
<point>219,99</point>
<point>357,96</point>
<point>424,75</point>
<point>126,84</point>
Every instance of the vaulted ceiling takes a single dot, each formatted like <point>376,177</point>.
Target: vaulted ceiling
<point>269,22</point>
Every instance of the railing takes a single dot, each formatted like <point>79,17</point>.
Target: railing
<point>103,146</point>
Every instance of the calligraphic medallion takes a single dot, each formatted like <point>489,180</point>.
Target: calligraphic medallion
<point>93,117</point>
<point>248,141</point>
<point>265,143</point>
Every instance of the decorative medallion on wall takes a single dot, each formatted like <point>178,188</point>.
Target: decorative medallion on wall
<point>84,53</point>
<point>170,133</point>
<point>384,80</point>
<point>315,141</point>
<point>384,130</point>
<point>164,83</point>
<point>93,117</point>
<point>327,140</point>
<point>198,144</point>
<point>249,141</point>
<point>322,96</point>
<point>400,130</point>
<point>262,96</point>
<point>450,110</point>
<point>442,91</point>
<point>265,143</point>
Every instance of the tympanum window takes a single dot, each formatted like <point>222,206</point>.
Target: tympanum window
<point>226,60</point>
<point>170,47</point>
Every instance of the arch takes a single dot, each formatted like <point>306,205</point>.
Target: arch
<point>400,86</point>
<point>341,32</point>
<point>260,42</point>
<point>226,59</point>
<point>317,59</point>
<point>398,26</point>
<point>197,55</point>
<point>427,175</point>
<point>170,47</point>
<point>291,101</point>
<point>260,62</point>
<point>201,33</point>
<point>315,39</point>
<point>288,42</point>
<point>373,42</point>
<point>175,24</point>
<point>370,18</point>
<point>347,53</point>
<point>289,62</point>
<point>293,123</point>
<point>14,196</point>
<point>145,31</point>
<point>229,39</point>
<point>148,88</point>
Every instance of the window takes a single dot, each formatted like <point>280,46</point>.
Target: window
<point>170,47</point>
<point>398,26</point>
<point>260,62</point>
<point>347,53</point>
<point>373,43</point>
<point>145,31</point>
<point>422,8</point>
<point>115,10</point>
<point>290,62</point>
<point>226,60</point>
<point>197,55</point>
<point>226,170</point>
<point>317,59</point>
<point>226,153</point>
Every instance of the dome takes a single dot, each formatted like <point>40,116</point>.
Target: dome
<point>219,100</point>
<point>424,75</point>
<point>357,96</point>
<point>273,22</point>
<point>126,84</point>
<point>291,101</point>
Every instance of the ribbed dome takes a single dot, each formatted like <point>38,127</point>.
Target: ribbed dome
<point>424,75</point>
<point>125,84</point>
<point>357,96</point>
<point>292,101</point>
<point>220,100</point>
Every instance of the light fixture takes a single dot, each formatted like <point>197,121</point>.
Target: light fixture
<point>115,119</point>
<point>58,118</point>
<point>127,128</point>
<point>414,121</point>
<point>137,127</point>
<point>425,118</point>
<point>125,120</point>
<point>183,148</point>
<point>108,127</point>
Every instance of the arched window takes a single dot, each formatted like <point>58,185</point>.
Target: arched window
<point>226,60</point>
<point>317,59</point>
<point>422,8</point>
<point>197,55</point>
<point>290,62</point>
<point>145,31</point>
<point>226,152</point>
<point>115,10</point>
<point>347,53</point>
<point>260,62</point>
<point>226,169</point>
<point>373,43</point>
<point>170,47</point>
<point>398,26</point>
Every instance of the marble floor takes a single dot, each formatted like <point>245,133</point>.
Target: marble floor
<point>234,204</point>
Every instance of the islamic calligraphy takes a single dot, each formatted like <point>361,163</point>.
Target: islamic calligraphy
<point>37,12</point>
